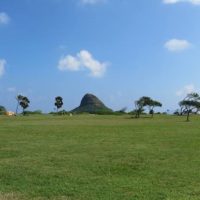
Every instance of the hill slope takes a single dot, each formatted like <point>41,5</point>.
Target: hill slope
<point>91,104</point>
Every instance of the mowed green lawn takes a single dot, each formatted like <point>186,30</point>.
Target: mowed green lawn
<point>99,157</point>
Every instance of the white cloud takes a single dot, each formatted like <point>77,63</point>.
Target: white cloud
<point>92,2</point>
<point>83,60</point>
<point>186,90</point>
<point>69,63</point>
<point>170,1</point>
<point>2,67</point>
<point>4,18</point>
<point>177,45</point>
<point>194,2</point>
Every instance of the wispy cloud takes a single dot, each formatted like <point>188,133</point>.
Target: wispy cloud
<point>194,2</point>
<point>2,67</point>
<point>186,90</point>
<point>83,60</point>
<point>4,18</point>
<point>177,45</point>
<point>92,2</point>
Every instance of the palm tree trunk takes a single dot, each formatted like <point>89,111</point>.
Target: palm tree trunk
<point>17,108</point>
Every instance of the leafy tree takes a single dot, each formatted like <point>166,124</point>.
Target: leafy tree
<point>58,102</point>
<point>146,102</point>
<point>19,99</point>
<point>139,107</point>
<point>24,103</point>
<point>190,103</point>
<point>152,104</point>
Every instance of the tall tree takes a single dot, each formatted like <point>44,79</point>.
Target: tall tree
<point>146,102</point>
<point>18,98</point>
<point>152,104</point>
<point>139,107</point>
<point>58,102</point>
<point>24,103</point>
<point>190,103</point>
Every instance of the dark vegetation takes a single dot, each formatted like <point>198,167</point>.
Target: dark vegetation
<point>58,102</point>
<point>22,101</point>
<point>144,102</point>
<point>36,112</point>
<point>92,105</point>
<point>2,110</point>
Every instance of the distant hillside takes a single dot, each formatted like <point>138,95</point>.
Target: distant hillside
<point>91,104</point>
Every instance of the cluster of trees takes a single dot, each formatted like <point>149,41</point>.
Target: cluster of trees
<point>24,102</point>
<point>145,102</point>
<point>190,104</point>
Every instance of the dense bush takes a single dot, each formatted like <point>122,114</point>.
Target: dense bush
<point>62,112</point>
<point>36,112</point>
<point>2,110</point>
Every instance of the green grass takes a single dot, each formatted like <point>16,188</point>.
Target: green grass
<point>99,157</point>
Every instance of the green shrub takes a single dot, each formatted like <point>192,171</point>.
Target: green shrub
<point>2,110</point>
<point>36,112</point>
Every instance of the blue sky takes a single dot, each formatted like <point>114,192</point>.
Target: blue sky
<point>118,50</point>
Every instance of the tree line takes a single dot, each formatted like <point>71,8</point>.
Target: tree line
<point>24,102</point>
<point>190,104</point>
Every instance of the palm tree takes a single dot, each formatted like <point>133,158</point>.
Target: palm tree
<point>24,103</point>
<point>58,102</point>
<point>19,99</point>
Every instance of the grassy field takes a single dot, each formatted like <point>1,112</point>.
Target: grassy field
<point>99,157</point>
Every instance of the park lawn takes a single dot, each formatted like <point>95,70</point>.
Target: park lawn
<point>90,157</point>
